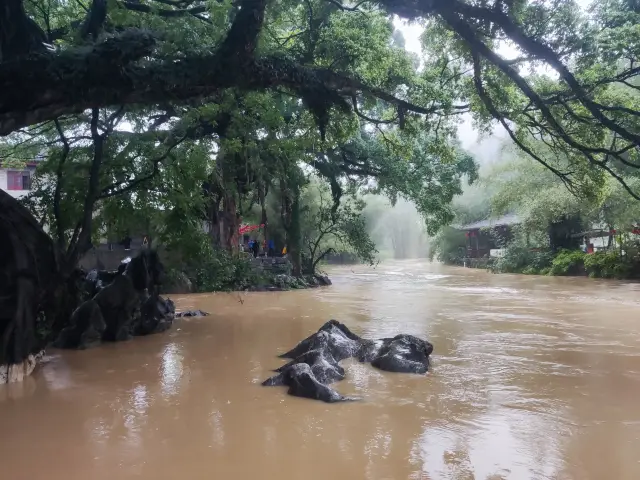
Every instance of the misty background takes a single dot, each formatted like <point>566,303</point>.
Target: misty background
<point>398,230</point>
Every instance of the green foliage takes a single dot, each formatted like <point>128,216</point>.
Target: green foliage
<point>568,262</point>
<point>420,168</point>
<point>449,246</point>
<point>220,271</point>
<point>519,259</point>
<point>535,194</point>
<point>326,229</point>
<point>243,144</point>
<point>249,147</point>
<point>12,163</point>
<point>558,45</point>
<point>607,265</point>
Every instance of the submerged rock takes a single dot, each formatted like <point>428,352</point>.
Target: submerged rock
<point>17,372</point>
<point>96,280</point>
<point>85,329</point>
<point>283,282</point>
<point>322,280</point>
<point>192,313</point>
<point>156,315</point>
<point>314,361</point>
<point>303,383</point>
<point>324,367</point>
<point>403,353</point>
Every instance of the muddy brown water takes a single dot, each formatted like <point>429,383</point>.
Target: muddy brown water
<point>532,378</point>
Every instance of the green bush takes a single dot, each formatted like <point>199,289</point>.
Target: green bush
<point>568,262</point>
<point>221,271</point>
<point>520,259</point>
<point>449,246</point>
<point>607,265</point>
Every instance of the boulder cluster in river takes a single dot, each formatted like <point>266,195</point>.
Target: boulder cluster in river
<point>121,304</point>
<point>315,360</point>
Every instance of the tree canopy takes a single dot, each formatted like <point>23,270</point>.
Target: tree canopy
<point>170,166</point>
<point>62,57</point>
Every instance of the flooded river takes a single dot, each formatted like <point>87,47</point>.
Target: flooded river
<point>532,378</point>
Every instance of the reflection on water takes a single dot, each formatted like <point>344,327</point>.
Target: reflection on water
<point>171,370</point>
<point>532,378</point>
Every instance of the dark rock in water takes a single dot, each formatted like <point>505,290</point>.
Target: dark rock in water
<point>404,353</point>
<point>96,280</point>
<point>315,359</point>
<point>156,315</point>
<point>283,282</point>
<point>122,307</point>
<point>334,336</point>
<point>191,313</point>
<point>324,367</point>
<point>85,328</point>
<point>118,302</point>
<point>303,383</point>
<point>323,280</point>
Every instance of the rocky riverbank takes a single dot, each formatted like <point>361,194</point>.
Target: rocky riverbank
<point>266,274</point>
<point>275,275</point>
<point>283,282</point>
<point>113,306</point>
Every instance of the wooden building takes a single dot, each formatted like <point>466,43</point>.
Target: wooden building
<point>487,235</point>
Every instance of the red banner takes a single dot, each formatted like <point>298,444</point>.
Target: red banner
<point>249,228</point>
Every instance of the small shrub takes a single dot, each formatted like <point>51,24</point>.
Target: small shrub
<point>607,265</point>
<point>220,271</point>
<point>520,259</point>
<point>568,262</point>
<point>449,246</point>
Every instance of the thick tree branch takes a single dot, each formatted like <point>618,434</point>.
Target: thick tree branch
<point>19,34</point>
<point>162,12</point>
<point>118,189</point>
<point>105,75</point>
<point>540,51</point>
<point>94,21</point>
<point>491,108</point>
<point>83,242</point>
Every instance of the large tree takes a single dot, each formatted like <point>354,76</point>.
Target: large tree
<point>189,70</point>
<point>589,112</point>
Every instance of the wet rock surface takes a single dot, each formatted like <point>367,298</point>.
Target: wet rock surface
<point>315,360</point>
<point>121,304</point>
<point>192,313</point>
<point>282,282</point>
<point>156,316</point>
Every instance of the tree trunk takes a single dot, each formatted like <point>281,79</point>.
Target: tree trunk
<point>213,217</point>
<point>294,236</point>
<point>19,35</point>
<point>28,273</point>
<point>263,216</point>
<point>231,224</point>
